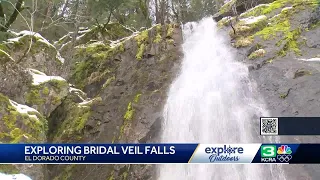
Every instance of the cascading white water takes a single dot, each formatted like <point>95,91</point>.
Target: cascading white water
<point>212,101</point>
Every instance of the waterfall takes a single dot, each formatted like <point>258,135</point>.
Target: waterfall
<point>213,101</point>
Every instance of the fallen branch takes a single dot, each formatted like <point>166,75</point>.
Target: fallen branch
<point>230,23</point>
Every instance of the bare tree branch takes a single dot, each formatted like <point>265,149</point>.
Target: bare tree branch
<point>230,23</point>
<point>108,20</point>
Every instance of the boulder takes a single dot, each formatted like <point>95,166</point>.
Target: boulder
<point>21,124</point>
<point>31,50</point>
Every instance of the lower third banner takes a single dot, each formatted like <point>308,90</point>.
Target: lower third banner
<point>158,153</point>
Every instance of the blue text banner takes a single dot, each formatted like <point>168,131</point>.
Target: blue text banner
<point>159,153</point>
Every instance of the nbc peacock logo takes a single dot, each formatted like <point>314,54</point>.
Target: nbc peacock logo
<point>284,149</point>
<point>284,153</point>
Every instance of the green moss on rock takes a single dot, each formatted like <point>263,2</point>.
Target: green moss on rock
<point>142,37</point>
<point>170,41</point>
<point>109,80</point>
<point>121,47</point>
<point>243,42</point>
<point>34,97</point>
<point>110,31</point>
<point>256,54</point>
<point>92,55</point>
<point>137,98</point>
<point>256,11</point>
<point>269,28</point>
<point>92,58</point>
<point>73,124</point>
<point>170,30</point>
<point>264,9</point>
<point>227,7</point>
<point>270,60</point>
<point>142,40</point>
<point>129,112</point>
<point>76,118</point>
<point>274,5</point>
<point>46,91</point>
<point>17,125</point>
<point>245,28</point>
<point>111,177</point>
<point>46,96</point>
<point>116,31</point>
<point>128,116</point>
<point>224,21</point>
<point>140,52</point>
<point>88,50</point>
<point>4,57</point>
<point>291,43</point>
<point>124,172</point>
<point>58,84</point>
<point>280,25</point>
<point>315,25</point>
<point>158,37</point>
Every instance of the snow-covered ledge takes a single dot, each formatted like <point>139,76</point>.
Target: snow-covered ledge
<point>14,177</point>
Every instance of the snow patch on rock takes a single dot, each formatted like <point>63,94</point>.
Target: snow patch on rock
<point>311,59</point>
<point>14,177</point>
<point>254,8</point>
<point>23,109</point>
<point>59,57</point>
<point>252,19</point>
<point>286,8</point>
<point>40,77</point>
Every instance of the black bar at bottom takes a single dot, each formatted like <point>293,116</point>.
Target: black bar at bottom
<point>290,126</point>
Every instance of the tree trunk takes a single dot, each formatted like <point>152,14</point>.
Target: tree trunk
<point>1,11</point>
<point>118,16</point>
<point>157,12</point>
<point>182,11</point>
<point>174,11</point>
<point>145,11</point>
<point>76,24</point>
<point>13,16</point>
<point>163,11</point>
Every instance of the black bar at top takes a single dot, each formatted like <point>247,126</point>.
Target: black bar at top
<point>299,126</point>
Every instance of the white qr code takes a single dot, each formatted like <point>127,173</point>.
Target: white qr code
<point>269,126</point>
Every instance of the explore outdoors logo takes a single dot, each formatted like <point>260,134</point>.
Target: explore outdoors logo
<point>270,154</point>
<point>221,154</point>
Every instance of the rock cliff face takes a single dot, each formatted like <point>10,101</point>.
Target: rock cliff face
<point>124,87</point>
<point>280,43</point>
<point>109,84</point>
<point>113,90</point>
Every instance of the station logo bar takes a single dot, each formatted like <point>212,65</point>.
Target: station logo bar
<point>274,154</point>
